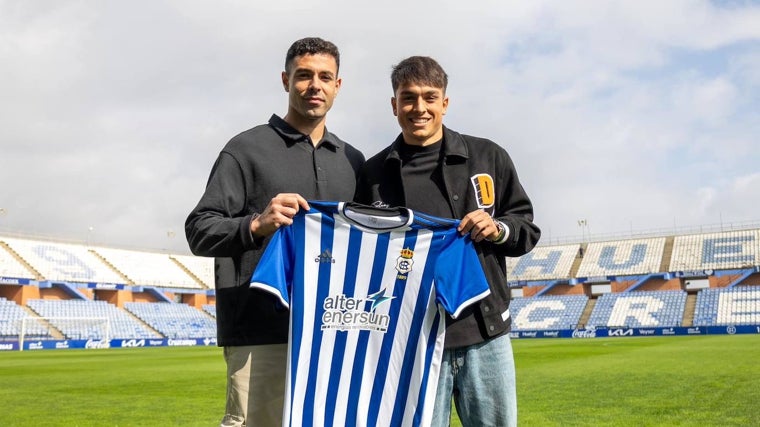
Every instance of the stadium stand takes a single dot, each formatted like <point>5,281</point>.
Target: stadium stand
<point>641,256</point>
<point>210,309</point>
<point>9,265</point>
<point>10,322</point>
<point>739,305</point>
<point>547,312</point>
<point>121,324</point>
<point>709,280</point>
<point>200,267</point>
<point>174,320</point>
<point>639,309</point>
<point>543,263</point>
<point>63,261</point>
<point>148,268</point>
<point>731,249</point>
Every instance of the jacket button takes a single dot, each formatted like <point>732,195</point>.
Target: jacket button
<point>491,328</point>
<point>486,309</point>
<point>455,197</point>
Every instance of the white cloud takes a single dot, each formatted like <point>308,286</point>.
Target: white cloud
<point>634,115</point>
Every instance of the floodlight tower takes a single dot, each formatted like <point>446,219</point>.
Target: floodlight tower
<point>583,224</point>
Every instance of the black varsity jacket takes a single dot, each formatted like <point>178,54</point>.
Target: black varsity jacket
<point>477,174</point>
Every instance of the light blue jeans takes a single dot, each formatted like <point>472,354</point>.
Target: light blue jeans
<point>481,379</point>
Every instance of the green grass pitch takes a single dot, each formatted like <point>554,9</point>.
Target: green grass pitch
<point>641,381</point>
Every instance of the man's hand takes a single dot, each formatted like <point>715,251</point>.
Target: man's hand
<point>279,212</point>
<point>480,225</point>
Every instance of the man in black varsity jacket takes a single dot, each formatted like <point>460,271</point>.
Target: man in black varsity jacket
<point>436,170</point>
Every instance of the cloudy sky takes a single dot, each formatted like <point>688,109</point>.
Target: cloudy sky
<point>636,116</point>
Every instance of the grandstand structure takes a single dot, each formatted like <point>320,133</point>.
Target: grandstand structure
<point>703,280</point>
<point>65,290</point>
<point>697,281</point>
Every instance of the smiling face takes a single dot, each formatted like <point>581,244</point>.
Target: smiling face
<point>419,109</point>
<point>312,84</point>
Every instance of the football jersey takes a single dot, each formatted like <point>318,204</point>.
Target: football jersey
<point>367,289</point>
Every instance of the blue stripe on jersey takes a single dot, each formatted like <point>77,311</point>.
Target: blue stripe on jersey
<point>325,266</point>
<point>378,265</point>
<point>432,222</point>
<point>354,246</point>
<point>410,240</point>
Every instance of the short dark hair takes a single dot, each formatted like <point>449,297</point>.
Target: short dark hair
<point>311,46</point>
<point>419,69</point>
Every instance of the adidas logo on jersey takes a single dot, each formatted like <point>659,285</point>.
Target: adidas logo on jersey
<point>325,257</point>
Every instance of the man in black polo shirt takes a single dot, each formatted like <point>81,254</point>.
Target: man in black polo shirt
<point>433,169</point>
<point>261,178</point>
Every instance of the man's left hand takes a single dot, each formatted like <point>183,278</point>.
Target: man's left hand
<point>480,225</point>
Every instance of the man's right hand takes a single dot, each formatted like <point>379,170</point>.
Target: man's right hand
<point>279,212</point>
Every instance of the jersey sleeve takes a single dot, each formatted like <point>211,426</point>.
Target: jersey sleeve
<point>274,272</point>
<point>459,277</point>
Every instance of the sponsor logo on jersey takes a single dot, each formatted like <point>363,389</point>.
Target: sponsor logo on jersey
<point>484,190</point>
<point>346,313</point>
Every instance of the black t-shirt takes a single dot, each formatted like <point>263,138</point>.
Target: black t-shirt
<point>423,181</point>
<point>425,192</point>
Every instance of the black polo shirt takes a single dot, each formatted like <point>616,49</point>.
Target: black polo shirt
<point>250,170</point>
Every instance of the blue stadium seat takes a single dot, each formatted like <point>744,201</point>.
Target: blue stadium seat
<point>639,309</point>
<point>73,318</point>
<point>547,312</point>
<point>739,305</point>
<point>174,320</point>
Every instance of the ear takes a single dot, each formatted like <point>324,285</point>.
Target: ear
<point>393,106</point>
<point>338,82</point>
<point>445,104</point>
<point>285,81</point>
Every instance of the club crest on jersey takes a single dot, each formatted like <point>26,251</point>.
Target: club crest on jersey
<point>404,263</point>
<point>325,257</point>
<point>485,191</point>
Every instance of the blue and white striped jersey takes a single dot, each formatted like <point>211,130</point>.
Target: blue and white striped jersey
<point>367,289</point>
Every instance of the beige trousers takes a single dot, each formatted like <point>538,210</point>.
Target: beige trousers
<point>255,385</point>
